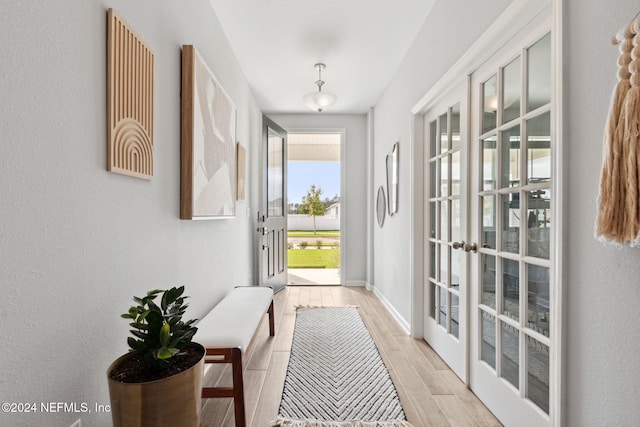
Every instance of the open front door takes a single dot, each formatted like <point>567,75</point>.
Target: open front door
<point>272,216</point>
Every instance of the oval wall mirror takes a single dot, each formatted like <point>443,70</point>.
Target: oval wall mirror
<point>381,206</point>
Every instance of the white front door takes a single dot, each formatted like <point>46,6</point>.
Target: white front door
<point>512,143</point>
<point>445,274</point>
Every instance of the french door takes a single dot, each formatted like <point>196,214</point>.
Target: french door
<point>445,275</point>
<point>272,216</point>
<point>490,282</point>
<point>512,216</point>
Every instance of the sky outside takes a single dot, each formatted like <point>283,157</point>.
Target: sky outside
<point>302,175</point>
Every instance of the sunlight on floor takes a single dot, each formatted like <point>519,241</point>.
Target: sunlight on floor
<point>314,276</point>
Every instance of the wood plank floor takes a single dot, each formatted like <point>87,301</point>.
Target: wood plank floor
<point>431,394</point>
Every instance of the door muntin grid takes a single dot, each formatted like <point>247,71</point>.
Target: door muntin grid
<point>514,196</point>
<point>445,222</point>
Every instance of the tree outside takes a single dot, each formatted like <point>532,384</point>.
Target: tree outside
<point>312,205</point>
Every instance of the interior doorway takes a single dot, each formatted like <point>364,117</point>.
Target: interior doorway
<point>314,208</point>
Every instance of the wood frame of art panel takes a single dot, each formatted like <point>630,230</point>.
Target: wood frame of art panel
<point>130,82</point>
<point>241,157</point>
<point>208,145</point>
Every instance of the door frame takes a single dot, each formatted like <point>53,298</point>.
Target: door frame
<point>506,26</point>
<point>343,200</point>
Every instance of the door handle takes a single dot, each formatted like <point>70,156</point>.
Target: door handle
<point>458,245</point>
<point>470,247</point>
<point>467,247</point>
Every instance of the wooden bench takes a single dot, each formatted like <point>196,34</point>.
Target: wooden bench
<point>226,332</point>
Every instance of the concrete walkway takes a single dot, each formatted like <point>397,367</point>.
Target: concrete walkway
<point>314,276</point>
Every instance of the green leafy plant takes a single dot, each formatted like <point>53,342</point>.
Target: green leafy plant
<point>159,334</point>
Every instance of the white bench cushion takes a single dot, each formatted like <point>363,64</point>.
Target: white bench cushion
<point>235,319</point>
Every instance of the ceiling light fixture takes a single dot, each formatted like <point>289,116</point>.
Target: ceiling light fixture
<point>319,100</point>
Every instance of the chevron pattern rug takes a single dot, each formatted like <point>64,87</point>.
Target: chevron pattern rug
<point>336,377</point>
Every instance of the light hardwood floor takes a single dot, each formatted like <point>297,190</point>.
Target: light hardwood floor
<point>431,394</point>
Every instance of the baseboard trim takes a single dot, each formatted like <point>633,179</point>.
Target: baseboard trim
<point>401,320</point>
<point>356,283</point>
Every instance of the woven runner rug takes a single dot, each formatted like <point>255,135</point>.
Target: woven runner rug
<point>336,377</point>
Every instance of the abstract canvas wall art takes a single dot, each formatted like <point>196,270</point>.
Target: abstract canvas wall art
<point>208,154</point>
<point>129,101</point>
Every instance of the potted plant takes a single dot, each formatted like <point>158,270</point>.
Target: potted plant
<point>159,382</point>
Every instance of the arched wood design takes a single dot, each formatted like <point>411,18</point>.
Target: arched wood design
<point>129,101</point>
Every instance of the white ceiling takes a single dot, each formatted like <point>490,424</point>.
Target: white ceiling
<point>313,147</point>
<point>362,42</point>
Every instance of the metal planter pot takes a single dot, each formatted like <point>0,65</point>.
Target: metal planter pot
<point>170,402</point>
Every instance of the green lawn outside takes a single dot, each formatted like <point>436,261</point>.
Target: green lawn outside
<point>314,244</point>
<point>307,233</point>
<point>313,258</point>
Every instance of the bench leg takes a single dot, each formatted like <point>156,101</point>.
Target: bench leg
<point>238,388</point>
<point>236,391</point>
<point>272,322</point>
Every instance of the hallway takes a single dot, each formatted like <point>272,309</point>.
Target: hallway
<point>430,393</point>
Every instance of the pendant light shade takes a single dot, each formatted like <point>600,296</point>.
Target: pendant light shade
<point>319,100</point>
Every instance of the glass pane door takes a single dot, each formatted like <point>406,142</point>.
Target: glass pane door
<point>445,266</point>
<point>512,216</point>
<point>275,174</point>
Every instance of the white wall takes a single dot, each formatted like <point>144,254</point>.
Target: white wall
<point>76,241</point>
<point>602,292</point>
<point>434,51</point>
<point>354,200</point>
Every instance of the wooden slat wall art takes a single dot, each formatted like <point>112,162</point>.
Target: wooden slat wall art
<point>129,101</point>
